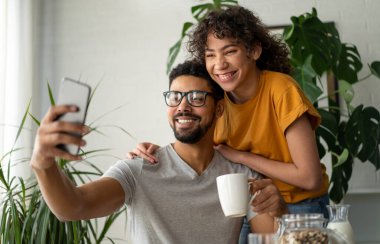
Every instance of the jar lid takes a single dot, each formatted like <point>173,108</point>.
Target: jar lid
<point>303,216</point>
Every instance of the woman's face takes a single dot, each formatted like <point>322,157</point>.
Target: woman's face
<point>230,64</point>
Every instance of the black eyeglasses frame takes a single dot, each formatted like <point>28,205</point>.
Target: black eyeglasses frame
<point>185,94</point>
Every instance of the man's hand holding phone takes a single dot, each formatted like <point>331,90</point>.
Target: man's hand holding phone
<point>52,133</point>
<point>61,129</point>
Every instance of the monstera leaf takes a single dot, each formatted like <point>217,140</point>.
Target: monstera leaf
<point>349,64</point>
<point>375,68</point>
<point>362,132</point>
<point>305,75</point>
<point>307,36</point>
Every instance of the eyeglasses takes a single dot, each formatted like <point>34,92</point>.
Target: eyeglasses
<point>194,98</point>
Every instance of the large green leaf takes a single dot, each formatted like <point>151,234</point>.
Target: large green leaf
<point>375,68</point>
<point>201,10</point>
<point>349,64</point>
<point>334,43</point>
<point>174,50</point>
<point>305,75</point>
<point>328,130</point>
<point>309,36</point>
<point>362,132</point>
<point>339,180</point>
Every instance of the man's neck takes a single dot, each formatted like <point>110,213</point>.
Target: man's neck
<point>198,156</point>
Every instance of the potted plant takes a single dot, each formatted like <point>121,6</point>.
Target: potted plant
<point>26,218</point>
<point>347,132</point>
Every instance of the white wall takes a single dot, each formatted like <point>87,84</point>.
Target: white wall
<point>124,44</point>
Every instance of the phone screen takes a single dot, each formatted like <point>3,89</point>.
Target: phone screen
<point>72,92</point>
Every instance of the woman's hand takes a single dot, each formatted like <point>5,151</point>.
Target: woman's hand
<point>145,150</point>
<point>231,154</point>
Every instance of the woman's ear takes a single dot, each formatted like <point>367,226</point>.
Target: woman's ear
<point>219,108</point>
<point>256,52</point>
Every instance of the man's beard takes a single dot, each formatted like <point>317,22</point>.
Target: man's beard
<point>193,136</point>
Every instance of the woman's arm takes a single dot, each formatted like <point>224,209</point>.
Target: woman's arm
<point>306,171</point>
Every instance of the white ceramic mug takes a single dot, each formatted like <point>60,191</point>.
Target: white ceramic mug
<point>233,191</point>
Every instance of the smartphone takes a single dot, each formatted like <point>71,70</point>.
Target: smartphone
<point>73,92</point>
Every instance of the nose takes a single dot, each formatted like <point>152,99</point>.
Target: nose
<point>220,62</point>
<point>184,106</point>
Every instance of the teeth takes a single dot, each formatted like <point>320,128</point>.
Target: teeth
<point>182,121</point>
<point>225,76</point>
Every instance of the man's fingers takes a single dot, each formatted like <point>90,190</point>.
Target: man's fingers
<point>258,184</point>
<point>55,111</point>
<point>65,155</point>
<point>266,205</point>
<point>52,140</point>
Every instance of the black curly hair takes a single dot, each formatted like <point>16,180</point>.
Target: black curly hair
<point>194,68</point>
<point>242,25</point>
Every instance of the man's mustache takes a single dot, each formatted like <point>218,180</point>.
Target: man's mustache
<point>193,116</point>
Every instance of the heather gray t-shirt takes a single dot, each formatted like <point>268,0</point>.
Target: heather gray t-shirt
<point>169,202</point>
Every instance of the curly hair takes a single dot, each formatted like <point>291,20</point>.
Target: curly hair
<point>242,25</point>
<point>194,68</point>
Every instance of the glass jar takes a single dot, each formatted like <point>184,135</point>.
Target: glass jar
<point>303,228</point>
<point>338,222</point>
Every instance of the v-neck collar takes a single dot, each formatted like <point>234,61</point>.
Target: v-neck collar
<point>187,168</point>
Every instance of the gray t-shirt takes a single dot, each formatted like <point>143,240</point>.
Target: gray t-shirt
<point>169,202</point>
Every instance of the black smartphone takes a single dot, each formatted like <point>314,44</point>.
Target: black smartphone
<point>73,92</point>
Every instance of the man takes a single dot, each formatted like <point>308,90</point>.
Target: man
<point>174,201</point>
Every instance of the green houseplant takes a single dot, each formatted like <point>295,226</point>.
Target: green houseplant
<point>347,132</point>
<point>26,218</point>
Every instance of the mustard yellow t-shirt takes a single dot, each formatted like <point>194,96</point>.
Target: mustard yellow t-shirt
<point>259,125</point>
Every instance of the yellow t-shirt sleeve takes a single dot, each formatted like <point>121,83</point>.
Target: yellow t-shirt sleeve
<point>291,105</point>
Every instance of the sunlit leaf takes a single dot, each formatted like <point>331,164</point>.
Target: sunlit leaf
<point>199,11</point>
<point>346,91</point>
<point>51,97</point>
<point>342,158</point>
<point>305,75</point>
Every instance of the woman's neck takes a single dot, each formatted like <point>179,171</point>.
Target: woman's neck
<point>247,91</point>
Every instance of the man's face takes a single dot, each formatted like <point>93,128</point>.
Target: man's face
<point>190,123</point>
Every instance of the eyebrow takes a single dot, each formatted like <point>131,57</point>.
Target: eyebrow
<point>223,48</point>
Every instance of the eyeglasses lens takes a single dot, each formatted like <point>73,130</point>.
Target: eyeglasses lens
<point>194,98</point>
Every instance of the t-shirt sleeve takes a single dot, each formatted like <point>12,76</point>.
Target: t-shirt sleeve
<point>291,105</point>
<point>125,173</point>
